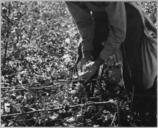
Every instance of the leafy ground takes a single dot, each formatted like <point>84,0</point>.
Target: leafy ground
<point>38,50</point>
<point>100,102</point>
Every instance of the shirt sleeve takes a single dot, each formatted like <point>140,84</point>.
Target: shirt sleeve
<point>85,24</point>
<point>117,29</point>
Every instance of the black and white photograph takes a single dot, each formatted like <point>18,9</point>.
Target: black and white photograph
<point>78,63</point>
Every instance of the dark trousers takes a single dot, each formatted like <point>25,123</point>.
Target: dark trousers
<point>144,100</point>
<point>131,49</point>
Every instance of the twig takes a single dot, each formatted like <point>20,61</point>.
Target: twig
<point>36,88</point>
<point>57,109</point>
<point>26,89</point>
<point>118,113</point>
<point>7,35</point>
<point>94,103</point>
<point>4,83</point>
<point>41,110</point>
<point>114,118</point>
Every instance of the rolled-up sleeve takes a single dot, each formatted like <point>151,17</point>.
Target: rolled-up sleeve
<point>84,23</point>
<point>117,29</point>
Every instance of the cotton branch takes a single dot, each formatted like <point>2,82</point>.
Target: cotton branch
<point>57,109</point>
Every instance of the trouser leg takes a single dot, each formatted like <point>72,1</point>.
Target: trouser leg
<point>144,102</point>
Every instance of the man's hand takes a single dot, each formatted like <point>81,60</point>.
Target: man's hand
<point>90,73</point>
<point>92,69</point>
<point>85,60</point>
<point>83,63</point>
